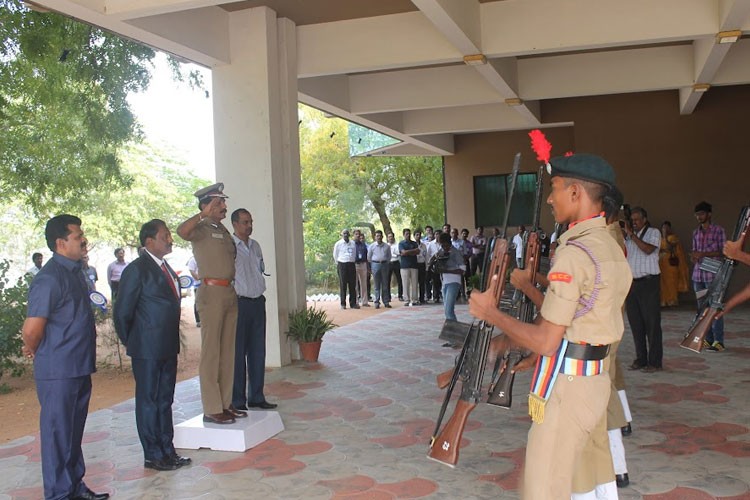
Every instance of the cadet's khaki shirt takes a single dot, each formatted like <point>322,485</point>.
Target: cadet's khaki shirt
<point>572,277</point>
<point>214,250</point>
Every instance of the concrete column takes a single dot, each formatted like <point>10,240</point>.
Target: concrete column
<point>257,156</point>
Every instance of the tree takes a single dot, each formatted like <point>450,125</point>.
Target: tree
<point>63,108</point>
<point>339,191</point>
<point>161,188</point>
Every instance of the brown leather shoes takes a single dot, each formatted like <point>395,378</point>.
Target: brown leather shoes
<point>235,413</point>
<point>218,418</point>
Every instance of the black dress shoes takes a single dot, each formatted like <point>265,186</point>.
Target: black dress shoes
<point>218,418</point>
<point>636,366</point>
<point>90,495</point>
<point>265,405</point>
<point>622,480</point>
<point>161,465</point>
<point>180,461</point>
<point>627,430</point>
<point>235,413</point>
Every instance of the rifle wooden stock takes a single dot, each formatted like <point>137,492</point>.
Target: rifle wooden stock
<point>444,447</point>
<point>443,379</point>
<point>693,341</point>
<point>501,392</point>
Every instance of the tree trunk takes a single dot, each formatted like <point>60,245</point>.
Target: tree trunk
<point>379,206</point>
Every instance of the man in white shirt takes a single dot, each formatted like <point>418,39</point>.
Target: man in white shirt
<point>114,271</point>
<point>250,341</point>
<point>433,277</point>
<point>344,254</point>
<point>642,304</point>
<point>379,256</point>
<point>518,243</point>
<point>37,259</point>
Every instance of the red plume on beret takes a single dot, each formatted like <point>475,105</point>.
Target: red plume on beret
<point>540,145</point>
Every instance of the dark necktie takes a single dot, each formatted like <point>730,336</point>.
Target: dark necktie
<point>169,279</point>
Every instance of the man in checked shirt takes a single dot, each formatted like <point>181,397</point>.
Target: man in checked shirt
<point>708,241</point>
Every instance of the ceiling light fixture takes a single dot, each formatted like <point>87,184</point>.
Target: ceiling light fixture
<point>475,60</point>
<point>701,87</point>
<point>728,36</point>
<point>514,101</point>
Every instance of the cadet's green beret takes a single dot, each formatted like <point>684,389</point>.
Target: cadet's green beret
<point>583,166</point>
<point>213,191</point>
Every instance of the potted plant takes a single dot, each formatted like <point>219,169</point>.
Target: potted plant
<point>307,326</point>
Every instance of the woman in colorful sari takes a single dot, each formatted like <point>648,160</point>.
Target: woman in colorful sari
<point>673,266</point>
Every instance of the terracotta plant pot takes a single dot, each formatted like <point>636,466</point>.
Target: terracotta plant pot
<point>310,350</point>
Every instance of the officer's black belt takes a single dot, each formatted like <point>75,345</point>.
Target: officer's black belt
<point>249,298</point>
<point>379,261</point>
<point>647,277</point>
<point>586,352</point>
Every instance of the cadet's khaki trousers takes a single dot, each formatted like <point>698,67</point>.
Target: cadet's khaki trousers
<point>217,306</point>
<point>575,408</point>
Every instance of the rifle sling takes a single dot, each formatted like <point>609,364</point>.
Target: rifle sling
<point>586,352</point>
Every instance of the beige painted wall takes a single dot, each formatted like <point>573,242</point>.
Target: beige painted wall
<point>664,162</point>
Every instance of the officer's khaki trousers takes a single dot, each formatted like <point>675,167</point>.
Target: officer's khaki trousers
<point>574,409</point>
<point>217,306</point>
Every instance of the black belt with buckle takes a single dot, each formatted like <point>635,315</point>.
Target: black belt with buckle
<point>586,352</point>
<point>379,261</point>
<point>647,277</point>
<point>249,298</point>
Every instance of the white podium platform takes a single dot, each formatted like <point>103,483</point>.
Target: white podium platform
<point>240,436</point>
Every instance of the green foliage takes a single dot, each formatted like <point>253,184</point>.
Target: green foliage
<point>13,300</point>
<point>339,191</point>
<point>309,324</point>
<point>63,107</point>
<point>162,188</point>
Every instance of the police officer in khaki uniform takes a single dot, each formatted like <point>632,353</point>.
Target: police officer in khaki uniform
<point>580,317</point>
<point>214,252</point>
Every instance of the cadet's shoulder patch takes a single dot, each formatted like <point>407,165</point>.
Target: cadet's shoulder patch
<point>564,277</point>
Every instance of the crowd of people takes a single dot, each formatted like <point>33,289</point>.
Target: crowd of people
<point>434,267</point>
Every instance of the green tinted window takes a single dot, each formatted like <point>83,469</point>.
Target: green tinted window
<point>491,197</point>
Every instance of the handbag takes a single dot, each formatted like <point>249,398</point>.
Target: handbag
<point>674,260</point>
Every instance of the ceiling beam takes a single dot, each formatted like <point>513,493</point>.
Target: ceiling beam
<point>212,53</point>
<point>437,144</point>
<point>710,53</point>
<point>130,9</point>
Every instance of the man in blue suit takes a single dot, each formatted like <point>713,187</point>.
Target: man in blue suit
<point>59,334</point>
<point>147,320</point>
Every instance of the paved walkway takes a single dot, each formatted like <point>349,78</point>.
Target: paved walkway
<point>358,424</point>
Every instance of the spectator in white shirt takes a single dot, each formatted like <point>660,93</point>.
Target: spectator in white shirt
<point>643,302</point>
<point>344,255</point>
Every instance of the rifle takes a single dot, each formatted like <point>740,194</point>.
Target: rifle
<point>470,364</point>
<point>712,301</point>
<point>501,388</point>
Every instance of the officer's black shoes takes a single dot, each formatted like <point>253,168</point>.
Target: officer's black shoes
<point>265,405</point>
<point>161,465</point>
<point>622,480</point>
<point>90,495</point>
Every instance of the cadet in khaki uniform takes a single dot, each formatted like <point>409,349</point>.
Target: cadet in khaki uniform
<point>595,477</point>
<point>580,317</point>
<point>214,252</point>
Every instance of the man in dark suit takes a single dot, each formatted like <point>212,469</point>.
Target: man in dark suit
<point>147,320</point>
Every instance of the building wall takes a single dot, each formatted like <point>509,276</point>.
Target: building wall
<point>664,162</point>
